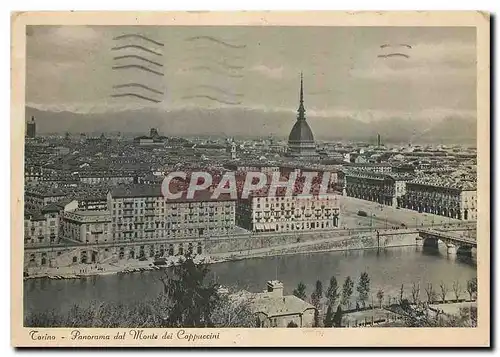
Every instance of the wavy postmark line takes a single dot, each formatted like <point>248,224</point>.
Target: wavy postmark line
<point>220,90</point>
<point>399,45</point>
<point>143,68</point>
<point>138,85</point>
<point>138,57</point>
<point>394,55</point>
<point>139,47</point>
<point>137,96</point>
<point>215,40</point>
<point>211,98</point>
<point>210,69</point>
<point>136,35</point>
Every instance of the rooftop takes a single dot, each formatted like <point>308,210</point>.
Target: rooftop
<point>91,213</point>
<point>130,191</point>
<point>446,182</point>
<point>278,305</point>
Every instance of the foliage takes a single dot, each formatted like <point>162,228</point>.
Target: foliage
<point>347,290</point>
<point>292,324</point>
<point>472,287</point>
<point>300,292</point>
<point>329,317</point>
<point>444,291</point>
<point>418,316</point>
<point>332,293</point>
<point>415,293</point>
<point>105,315</point>
<point>316,301</point>
<point>380,297</point>
<point>190,299</point>
<point>232,312</point>
<point>457,289</point>
<point>363,288</point>
<point>337,318</point>
<point>431,294</point>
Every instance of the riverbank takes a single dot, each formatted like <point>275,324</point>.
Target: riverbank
<point>82,271</point>
<point>342,243</point>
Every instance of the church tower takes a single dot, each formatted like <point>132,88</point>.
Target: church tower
<point>31,128</point>
<point>301,139</point>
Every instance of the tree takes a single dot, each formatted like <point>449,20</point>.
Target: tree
<point>329,317</point>
<point>380,297</point>
<point>401,293</point>
<point>300,292</point>
<point>347,292</point>
<point>316,301</point>
<point>292,324</point>
<point>417,316</point>
<point>337,318</point>
<point>332,292</point>
<point>189,298</point>
<point>444,291</point>
<point>363,288</point>
<point>415,293</point>
<point>232,311</point>
<point>472,287</point>
<point>431,294</point>
<point>457,289</point>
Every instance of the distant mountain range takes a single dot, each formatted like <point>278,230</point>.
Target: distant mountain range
<point>251,123</point>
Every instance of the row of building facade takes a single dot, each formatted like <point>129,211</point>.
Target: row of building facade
<point>454,199</point>
<point>139,222</point>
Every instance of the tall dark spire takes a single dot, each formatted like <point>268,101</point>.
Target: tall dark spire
<point>301,111</point>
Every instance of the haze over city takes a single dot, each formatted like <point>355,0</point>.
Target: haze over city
<point>351,90</point>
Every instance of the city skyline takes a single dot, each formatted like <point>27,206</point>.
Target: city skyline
<point>172,172</point>
<point>253,74</point>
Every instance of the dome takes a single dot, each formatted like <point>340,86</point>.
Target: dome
<point>301,132</point>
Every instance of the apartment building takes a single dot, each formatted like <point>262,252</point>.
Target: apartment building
<point>288,213</point>
<point>86,226</point>
<point>140,213</point>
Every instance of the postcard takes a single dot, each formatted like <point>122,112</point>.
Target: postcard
<point>250,179</point>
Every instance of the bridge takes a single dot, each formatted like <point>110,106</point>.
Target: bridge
<point>457,241</point>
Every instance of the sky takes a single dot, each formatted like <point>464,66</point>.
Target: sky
<point>69,68</point>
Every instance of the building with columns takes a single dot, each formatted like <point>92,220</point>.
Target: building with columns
<point>445,198</point>
<point>382,188</point>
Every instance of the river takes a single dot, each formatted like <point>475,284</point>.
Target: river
<point>388,269</point>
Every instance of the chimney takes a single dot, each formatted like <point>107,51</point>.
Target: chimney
<point>275,288</point>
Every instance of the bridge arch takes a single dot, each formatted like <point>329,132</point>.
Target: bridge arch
<point>456,244</point>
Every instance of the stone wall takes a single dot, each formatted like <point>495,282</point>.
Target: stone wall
<point>257,241</point>
<point>365,241</point>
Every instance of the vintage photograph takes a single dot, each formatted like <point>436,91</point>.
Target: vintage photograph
<point>249,177</point>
